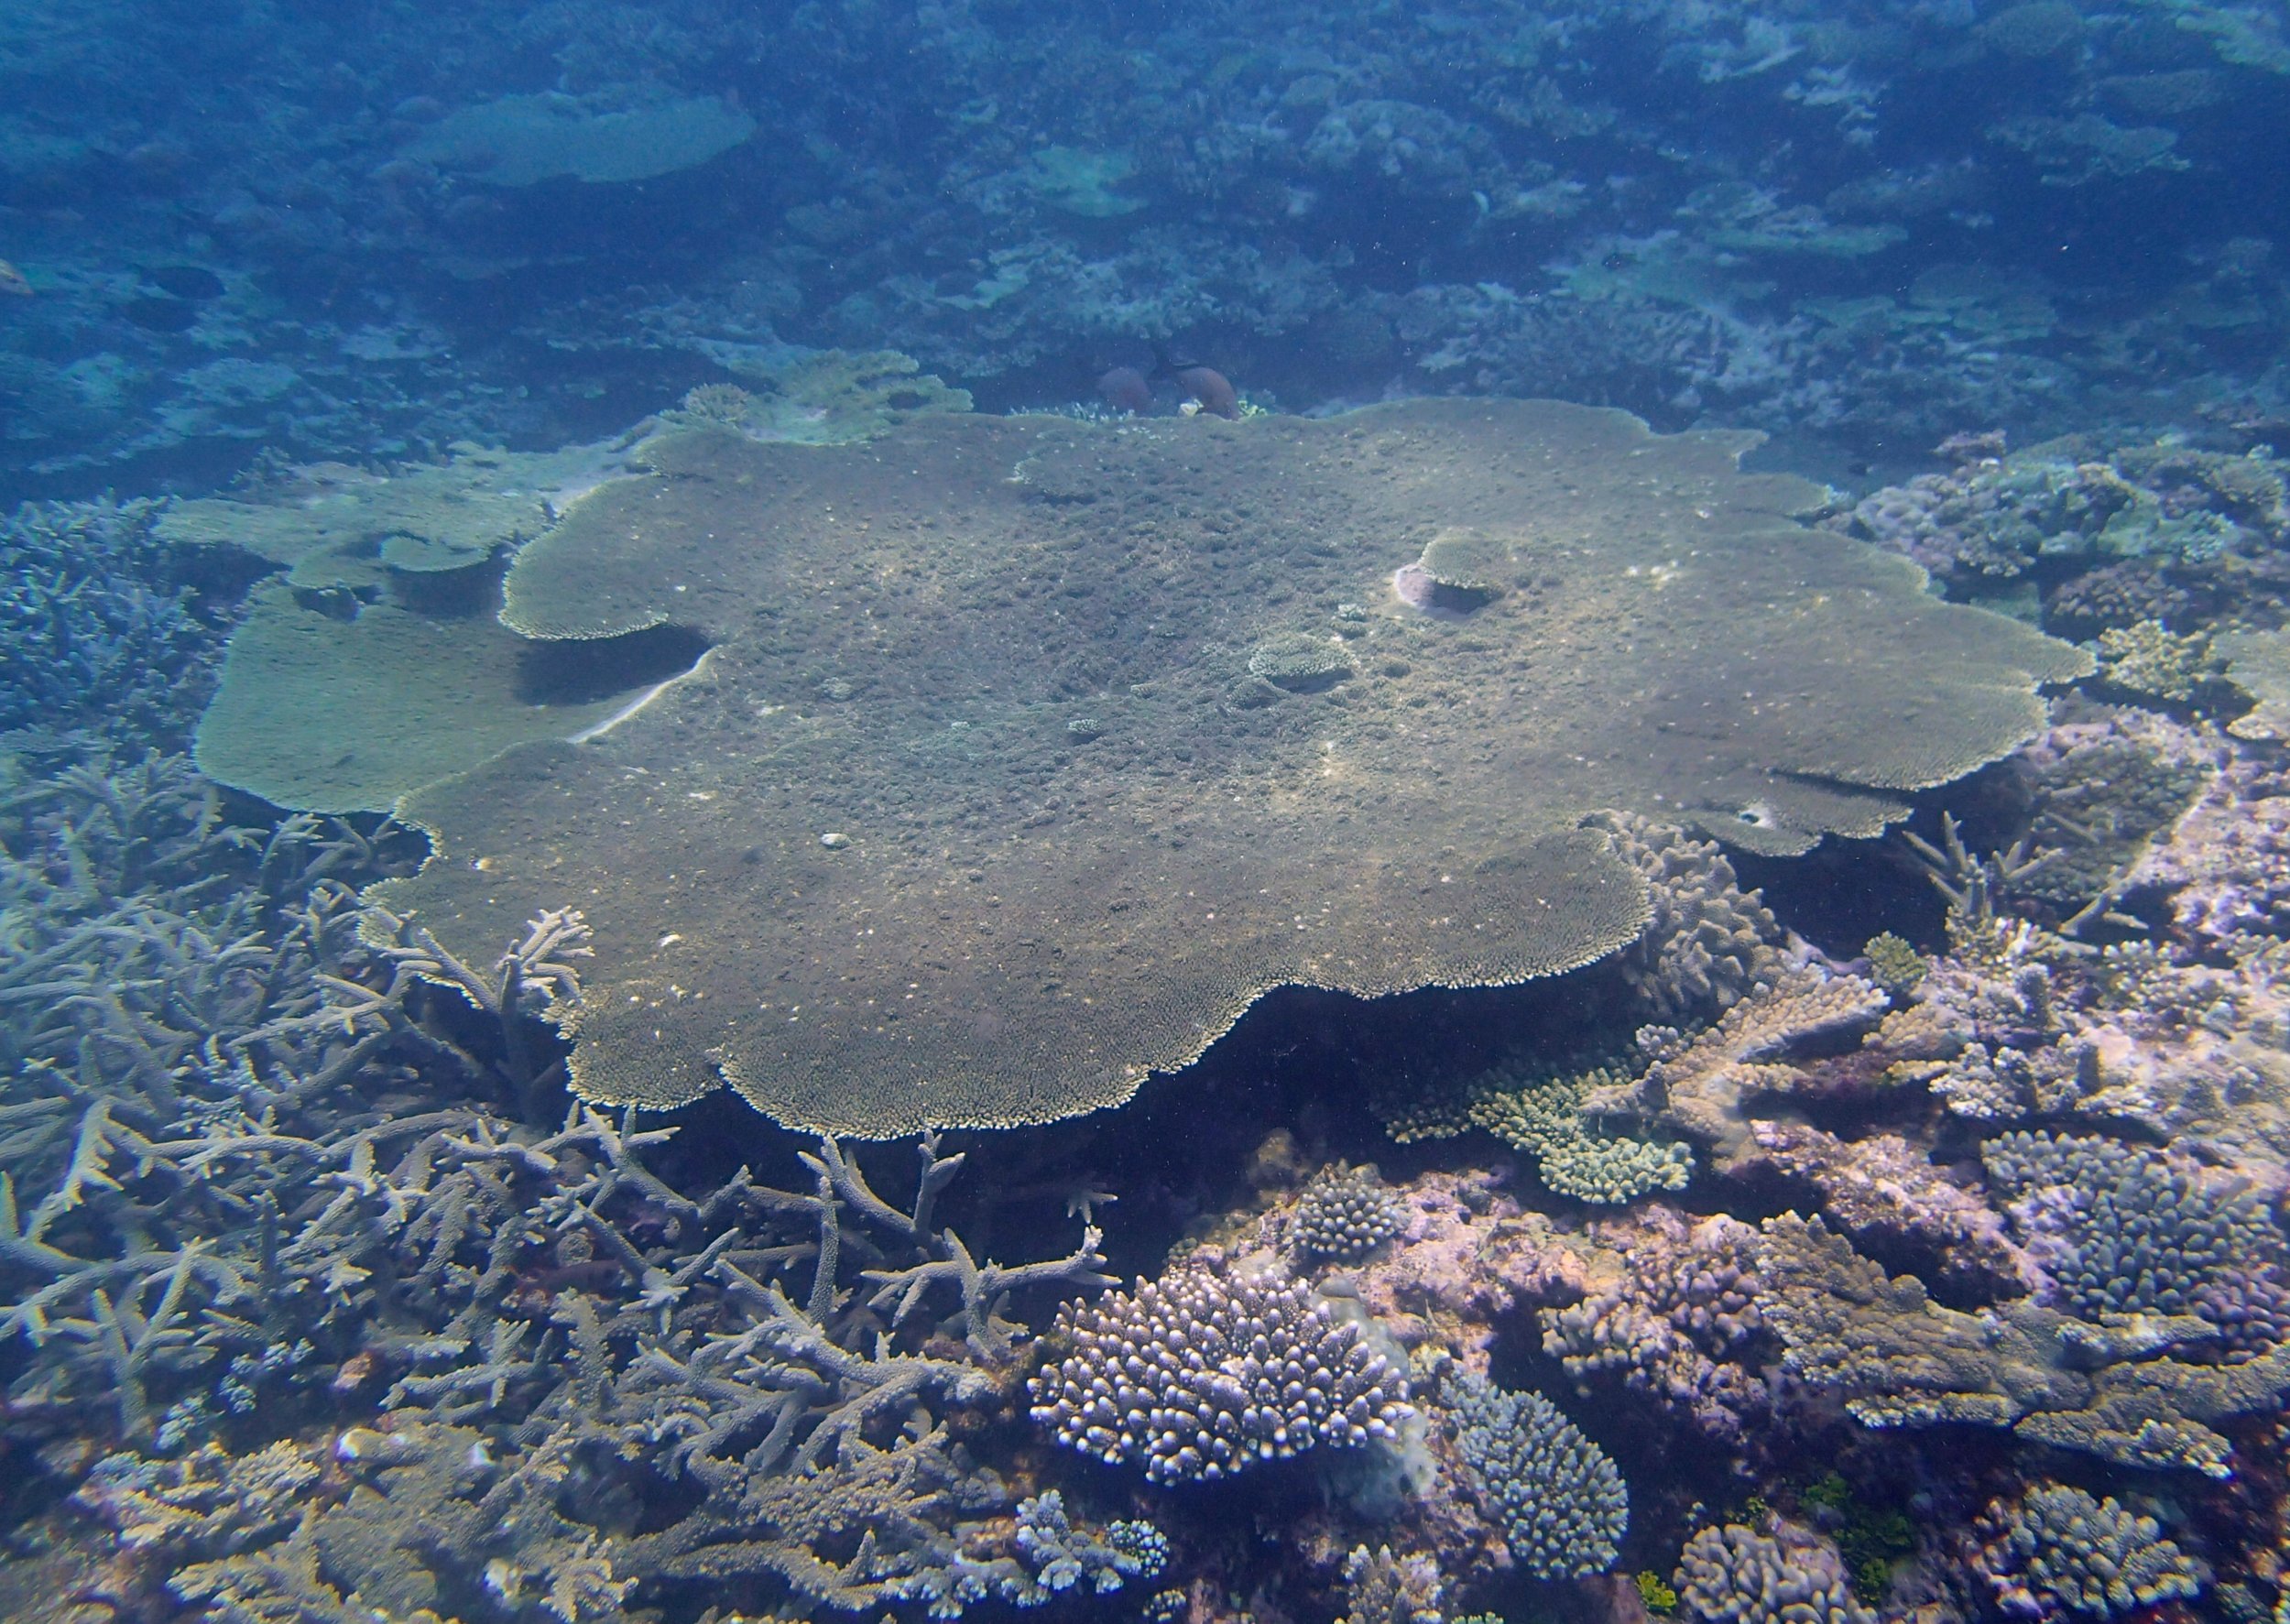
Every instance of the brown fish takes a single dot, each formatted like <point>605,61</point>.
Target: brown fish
<point>13,281</point>
<point>1125,390</point>
<point>1209,386</point>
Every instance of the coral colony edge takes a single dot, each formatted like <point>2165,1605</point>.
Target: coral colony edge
<point>1604,1248</point>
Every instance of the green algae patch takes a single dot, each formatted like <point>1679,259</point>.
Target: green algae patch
<point>977,813</point>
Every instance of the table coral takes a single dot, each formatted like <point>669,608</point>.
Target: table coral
<point>930,546</point>
<point>2138,1393</point>
<point>1697,1085</point>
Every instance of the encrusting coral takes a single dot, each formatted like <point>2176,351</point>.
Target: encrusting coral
<point>848,799</point>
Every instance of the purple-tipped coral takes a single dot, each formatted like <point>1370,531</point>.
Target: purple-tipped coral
<point>1676,1323</point>
<point>1202,1373</point>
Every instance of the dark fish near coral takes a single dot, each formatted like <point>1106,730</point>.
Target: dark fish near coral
<point>13,281</point>
<point>184,281</point>
<point>161,315</point>
<point>1124,389</point>
<point>1205,385</point>
<point>1210,388</point>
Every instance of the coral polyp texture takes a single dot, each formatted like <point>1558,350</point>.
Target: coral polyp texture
<point>1556,1495</point>
<point>2055,1549</point>
<point>1345,1214</point>
<point>862,866</point>
<point>2126,1229</point>
<point>1733,1574</point>
<point>1203,1374</point>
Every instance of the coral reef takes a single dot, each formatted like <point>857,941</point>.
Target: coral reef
<point>2056,1549</point>
<point>1345,1214</point>
<point>105,625</point>
<point>1733,1574</point>
<point>1381,1588</point>
<point>1707,942</point>
<point>1555,1494</point>
<point>2122,1229</point>
<point>1677,1321</point>
<point>1574,1158</point>
<point>1205,1372</point>
<point>1146,655</point>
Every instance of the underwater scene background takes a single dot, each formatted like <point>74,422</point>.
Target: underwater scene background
<point>1144,814</point>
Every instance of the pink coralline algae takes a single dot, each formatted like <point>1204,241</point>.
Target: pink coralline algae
<point>1466,1257</point>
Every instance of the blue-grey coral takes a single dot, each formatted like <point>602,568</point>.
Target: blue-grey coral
<point>2056,1549</point>
<point>1557,1497</point>
<point>1062,1556</point>
<point>1345,1214</point>
<point>1204,1373</point>
<point>2124,1229</point>
<point>1382,1588</point>
<point>103,625</point>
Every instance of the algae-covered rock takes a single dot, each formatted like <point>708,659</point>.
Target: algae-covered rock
<point>1018,925</point>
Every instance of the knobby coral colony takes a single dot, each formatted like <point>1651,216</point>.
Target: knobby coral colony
<point>325,1301</point>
